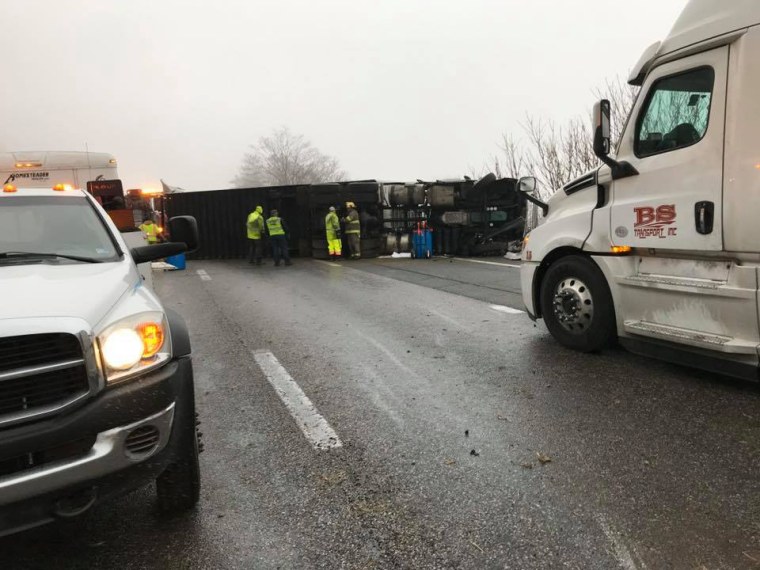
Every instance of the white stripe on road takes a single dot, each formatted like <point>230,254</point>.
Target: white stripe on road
<point>449,319</point>
<point>389,354</point>
<point>510,265</point>
<point>312,424</point>
<point>203,275</point>
<point>508,310</point>
<point>329,263</point>
<point>622,553</point>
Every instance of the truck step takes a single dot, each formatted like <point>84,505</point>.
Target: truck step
<point>670,282</point>
<point>690,337</point>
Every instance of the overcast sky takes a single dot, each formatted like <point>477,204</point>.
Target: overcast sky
<point>395,89</point>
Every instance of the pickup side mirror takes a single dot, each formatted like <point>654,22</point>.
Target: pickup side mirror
<point>184,229</point>
<point>148,253</point>
<point>601,128</point>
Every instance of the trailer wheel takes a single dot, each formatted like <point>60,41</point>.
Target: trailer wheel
<point>577,305</point>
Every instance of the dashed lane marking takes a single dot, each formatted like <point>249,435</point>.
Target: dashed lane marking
<point>328,263</point>
<point>203,275</point>
<point>510,265</point>
<point>312,424</point>
<point>508,310</point>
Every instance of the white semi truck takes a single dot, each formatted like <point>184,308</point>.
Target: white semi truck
<point>660,246</point>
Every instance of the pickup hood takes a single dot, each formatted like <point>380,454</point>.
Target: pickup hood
<point>85,291</point>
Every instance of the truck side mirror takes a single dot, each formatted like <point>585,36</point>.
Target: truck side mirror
<point>184,229</point>
<point>527,184</point>
<point>601,128</point>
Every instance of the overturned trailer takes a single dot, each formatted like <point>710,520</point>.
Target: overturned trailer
<point>484,217</point>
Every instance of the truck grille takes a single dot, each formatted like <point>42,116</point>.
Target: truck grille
<point>63,452</point>
<point>39,373</point>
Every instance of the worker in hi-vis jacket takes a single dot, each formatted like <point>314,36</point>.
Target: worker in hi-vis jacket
<point>255,227</point>
<point>353,230</point>
<point>332,232</point>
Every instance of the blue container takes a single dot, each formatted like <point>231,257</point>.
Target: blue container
<point>422,244</point>
<point>177,261</point>
<point>428,243</point>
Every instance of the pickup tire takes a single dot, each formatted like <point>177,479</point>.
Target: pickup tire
<point>577,305</point>
<point>179,486</point>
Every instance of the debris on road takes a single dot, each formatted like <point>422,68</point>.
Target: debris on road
<point>475,453</point>
<point>475,544</point>
<point>333,478</point>
<point>449,461</point>
<point>467,433</point>
<point>526,465</point>
<point>543,458</point>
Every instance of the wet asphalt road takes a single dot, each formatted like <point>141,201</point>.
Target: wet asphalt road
<point>470,439</point>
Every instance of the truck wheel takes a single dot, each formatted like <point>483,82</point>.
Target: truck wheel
<point>577,305</point>
<point>179,486</point>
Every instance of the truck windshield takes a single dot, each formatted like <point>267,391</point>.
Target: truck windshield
<point>40,227</point>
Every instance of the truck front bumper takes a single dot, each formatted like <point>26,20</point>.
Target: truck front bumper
<point>136,430</point>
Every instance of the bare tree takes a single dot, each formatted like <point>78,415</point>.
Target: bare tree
<point>285,158</point>
<point>556,154</point>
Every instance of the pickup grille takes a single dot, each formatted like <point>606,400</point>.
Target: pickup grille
<point>40,373</point>
<point>63,452</point>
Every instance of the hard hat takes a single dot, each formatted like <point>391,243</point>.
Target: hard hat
<point>350,205</point>
<point>332,208</point>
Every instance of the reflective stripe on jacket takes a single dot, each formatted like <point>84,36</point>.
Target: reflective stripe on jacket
<point>353,226</point>
<point>332,226</point>
<point>274,226</point>
<point>255,225</point>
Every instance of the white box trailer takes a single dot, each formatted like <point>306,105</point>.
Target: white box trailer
<point>660,247</point>
<point>45,169</point>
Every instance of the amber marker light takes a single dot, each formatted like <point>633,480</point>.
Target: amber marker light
<point>9,188</point>
<point>620,249</point>
<point>152,336</point>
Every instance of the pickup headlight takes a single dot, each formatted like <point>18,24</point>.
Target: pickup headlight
<point>134,345</point>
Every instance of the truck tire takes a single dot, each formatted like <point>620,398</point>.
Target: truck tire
<point>179,486</point>
<point>577,305</point>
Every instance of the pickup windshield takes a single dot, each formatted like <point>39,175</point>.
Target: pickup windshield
<point>40,228</point>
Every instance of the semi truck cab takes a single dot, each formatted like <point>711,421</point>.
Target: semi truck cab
<point>660,246</point>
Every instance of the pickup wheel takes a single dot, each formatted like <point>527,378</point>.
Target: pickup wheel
<point>179,486</point>
<point>577,305</point>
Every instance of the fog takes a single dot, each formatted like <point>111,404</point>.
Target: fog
<point>399,89</point>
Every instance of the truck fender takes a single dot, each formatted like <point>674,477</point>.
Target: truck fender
<point>179,334</point>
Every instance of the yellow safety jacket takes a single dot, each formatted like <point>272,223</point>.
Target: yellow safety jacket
<point>255,225</point>
<point>274,225</point>
<point>151,231</point>
<point>332,225</point>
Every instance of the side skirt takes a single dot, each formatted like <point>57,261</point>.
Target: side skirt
<point>693,359</point>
